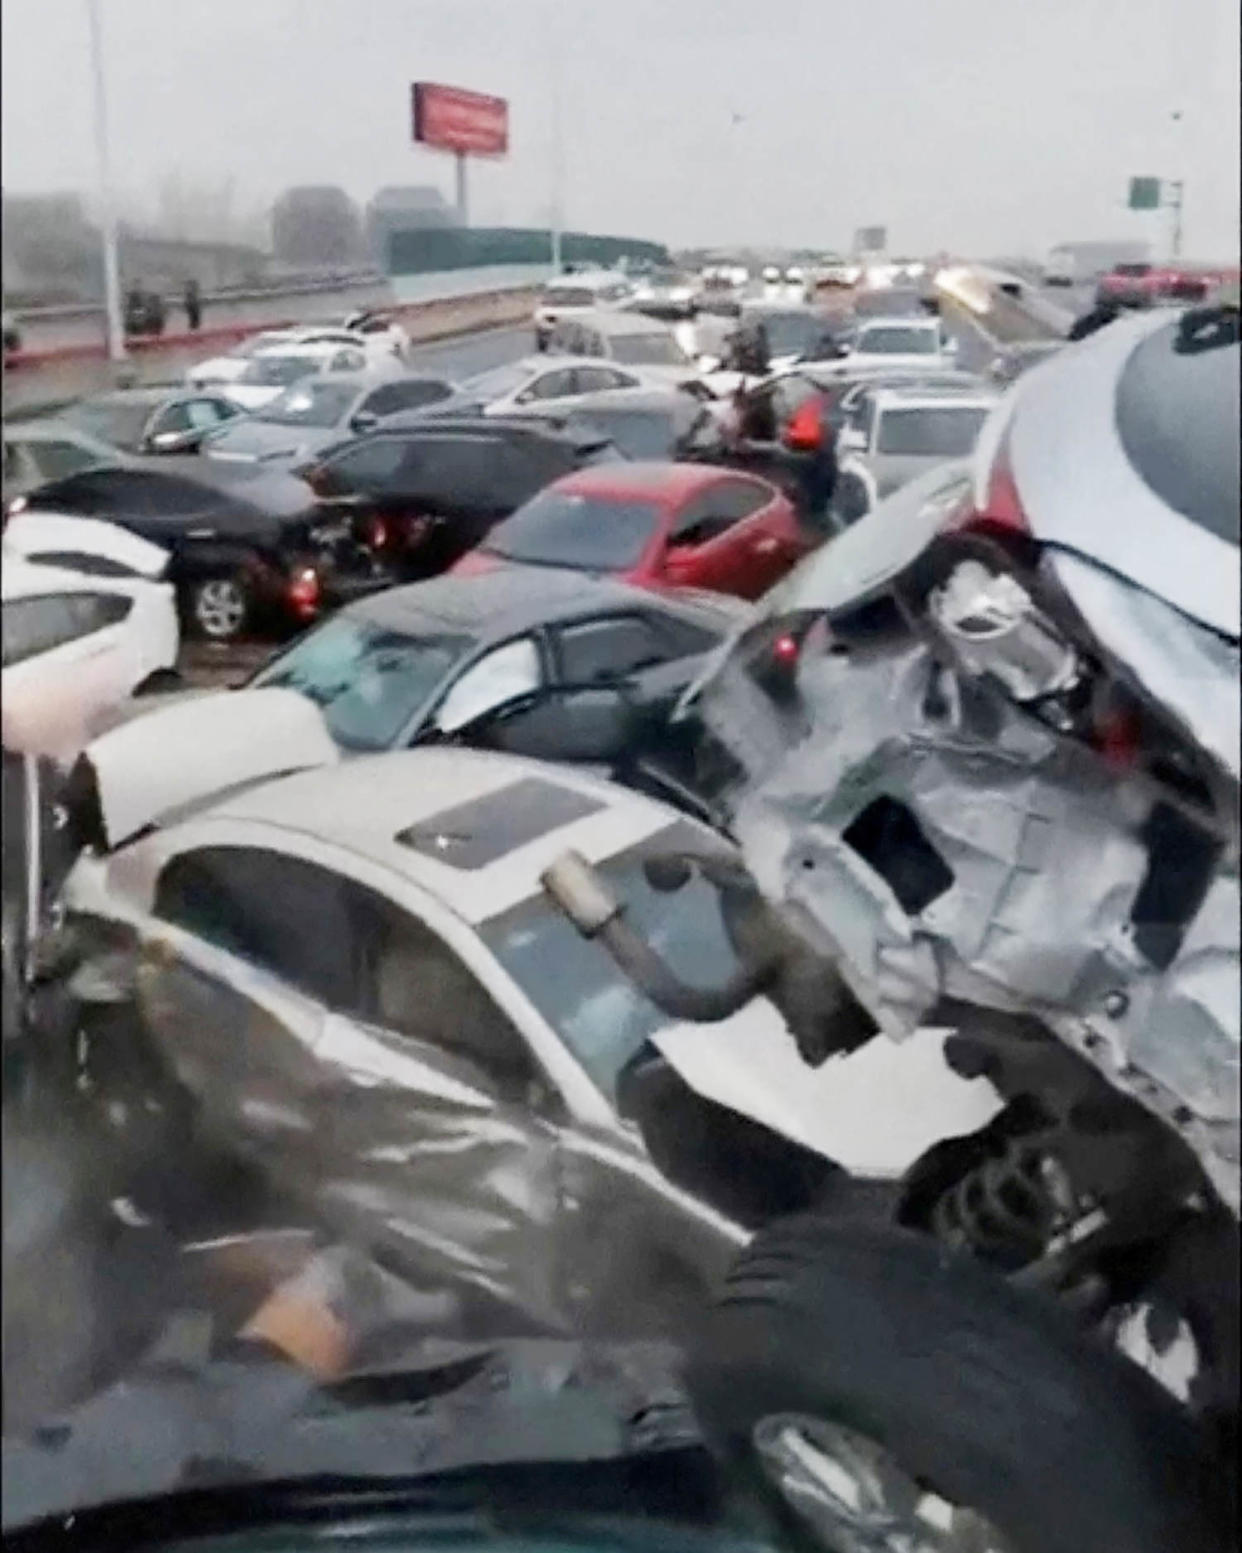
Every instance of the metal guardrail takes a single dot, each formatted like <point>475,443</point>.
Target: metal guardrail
<point>309,286</point>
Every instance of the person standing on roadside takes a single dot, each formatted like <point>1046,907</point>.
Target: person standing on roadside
<point>193,304</point>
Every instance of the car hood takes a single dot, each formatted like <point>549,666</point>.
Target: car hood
<point>252,396</point>
<point>219,369</point>
<point>183,754</point>
<point>1079,490</point>
<point>260,442</point>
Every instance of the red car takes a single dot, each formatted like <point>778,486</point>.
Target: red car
<point>658,525</point>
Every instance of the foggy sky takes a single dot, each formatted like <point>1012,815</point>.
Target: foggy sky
<point>980,126</point>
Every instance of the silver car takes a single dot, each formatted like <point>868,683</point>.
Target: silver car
<point>895,434</point>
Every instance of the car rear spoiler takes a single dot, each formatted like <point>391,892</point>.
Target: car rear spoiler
<point>184,755</point>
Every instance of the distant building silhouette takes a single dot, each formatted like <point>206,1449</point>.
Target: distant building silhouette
<point>412,208</point>
<point>316,225</point>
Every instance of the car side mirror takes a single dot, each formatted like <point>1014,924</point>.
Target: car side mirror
<point>590,723</point>
<point>363,422</point>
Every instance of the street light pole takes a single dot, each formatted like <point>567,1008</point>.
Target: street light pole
<point>558,146</point>
<point>1178,186</point>
<point>107,209</point>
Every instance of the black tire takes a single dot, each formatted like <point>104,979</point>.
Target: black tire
<point>219,607</point>
<point>160,681</point>
<point>980,1390</point>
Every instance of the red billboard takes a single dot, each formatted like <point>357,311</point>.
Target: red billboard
<point>452,119</point>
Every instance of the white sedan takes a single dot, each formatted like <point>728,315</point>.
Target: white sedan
<point>88,618</point>
<point>366,988</point>
<point>270,372</point>
<point>535,380</point>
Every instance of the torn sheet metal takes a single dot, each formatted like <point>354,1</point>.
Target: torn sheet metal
<point>1043,845</point>
<point>439,1408</point>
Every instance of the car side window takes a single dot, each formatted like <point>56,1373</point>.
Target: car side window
<point>36,625</point>
<point>285,915</point>
<point>393,397</point>
<point>415,985</point>
<point>503,675</point>
<point>551,385</point>
<point>206,413</point>
<point>708,515</point>
<point>368,466</point>
<point>590,379</point>
<point>174,418</point>
<point>348,361</point>
<point>597,651</point>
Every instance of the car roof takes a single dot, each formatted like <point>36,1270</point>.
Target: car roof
<point>511,600</point>
<point>639,400</point>
<point>151,394</point>
<point>902,320</point>
<point>646,478</point>
<point>518,815</point>
<point>298,347</point>
<point>926,396</point>
<point>621,322</point>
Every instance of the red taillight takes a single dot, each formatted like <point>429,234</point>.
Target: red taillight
<point>304,591</point>
<point>1002,506</point>
<point>377,534</point>
<point>1117,738</point>
<point>785,650</point>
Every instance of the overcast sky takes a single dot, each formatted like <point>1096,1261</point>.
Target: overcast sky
<point>980,126</point>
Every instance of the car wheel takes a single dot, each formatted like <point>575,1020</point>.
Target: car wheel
<point>885,1393</point>
<point>219,607</point>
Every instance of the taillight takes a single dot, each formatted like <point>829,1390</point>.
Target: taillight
<point>377,534</point>
<point>1001,510</point>
<point>303,591</point>
<point>13,508</point>
<point>785,650</point>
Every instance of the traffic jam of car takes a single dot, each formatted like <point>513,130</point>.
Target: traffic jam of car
<point>721,827</point>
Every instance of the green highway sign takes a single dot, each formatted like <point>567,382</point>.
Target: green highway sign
<point>1144,194</point>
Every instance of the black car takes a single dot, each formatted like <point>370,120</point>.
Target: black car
<point>664,424</point>
<point>793,333</point>
<point>422,495</point>
<point>247,546</point>
<point>505,660</point>
<point>158,420</point>
<point>145,312</point>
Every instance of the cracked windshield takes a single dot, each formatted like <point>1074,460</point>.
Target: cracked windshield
<point>621,776</point>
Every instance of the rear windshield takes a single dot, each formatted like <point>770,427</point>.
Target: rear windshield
<point>644,434</point>
<point>368,680</point>
<point>1177,417</point>
<point>648,350</point>
<point>278,371</point>
<point>585,533</point>
<point>936,433</point>
<point>1131,269</point>
<point>322,404</point>
<point>568,296</point>
<point>897,341</point>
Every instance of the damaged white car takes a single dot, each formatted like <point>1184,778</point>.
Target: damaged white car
<point>983,761</point>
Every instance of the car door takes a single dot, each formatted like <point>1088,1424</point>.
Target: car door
<point>441,1127</point>
<point>66,658</point>
<point>510,672</point>
<point>738,536</point>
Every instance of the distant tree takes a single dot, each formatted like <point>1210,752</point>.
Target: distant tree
<point>316,225</point>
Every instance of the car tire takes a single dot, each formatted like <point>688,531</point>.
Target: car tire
<point>840,1330</point>
<point>160,682</point>
<point>218,607</point>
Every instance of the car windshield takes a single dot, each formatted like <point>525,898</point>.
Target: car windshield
<point>943,432</point>
<point>648,350</point>
<point>599,1013</point>
<point>115,422</point>
<point>322,404</point>
<point>278,371</point>
<point>584,533</point>
<point>368,680</point>
<point>897,340</point>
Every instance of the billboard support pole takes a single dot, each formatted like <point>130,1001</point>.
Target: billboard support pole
<point>463,214</point>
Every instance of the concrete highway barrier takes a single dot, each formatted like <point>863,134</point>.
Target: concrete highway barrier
<point>39,381</point>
